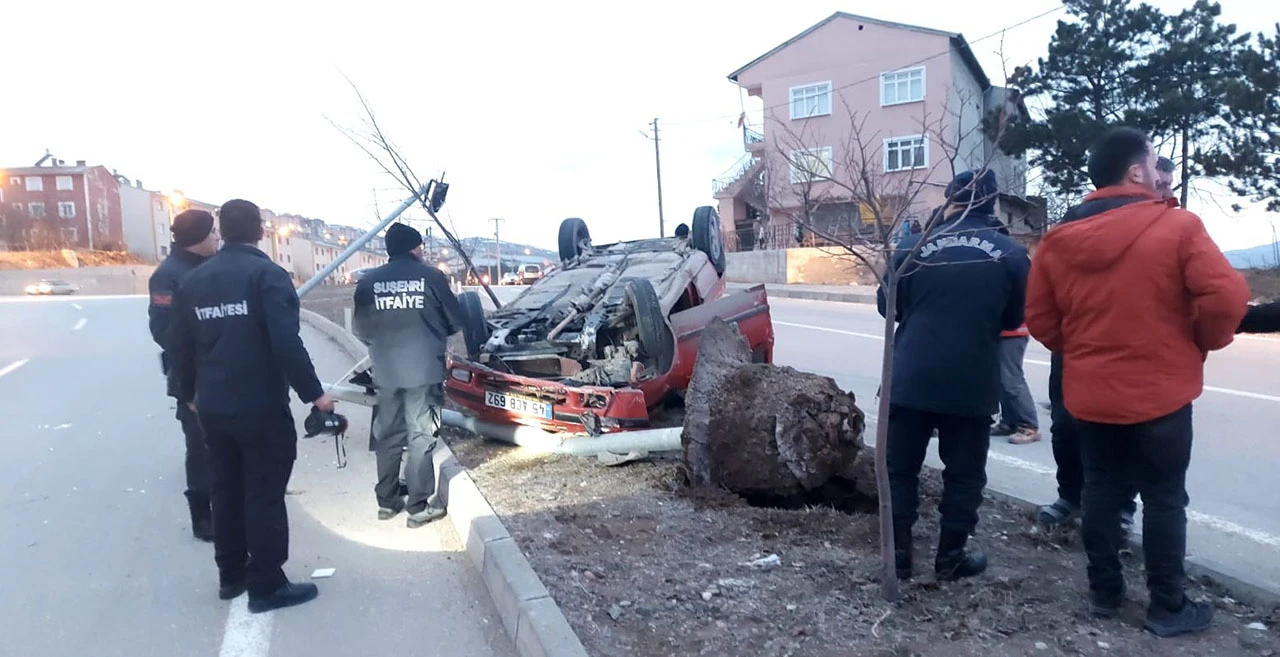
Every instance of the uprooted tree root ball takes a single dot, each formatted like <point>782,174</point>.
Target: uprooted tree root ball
<point>774,435</point>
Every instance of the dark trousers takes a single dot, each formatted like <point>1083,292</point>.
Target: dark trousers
<point>407,418</point>
<point>1066,447</point>
<point>962,444</point>
<point>199,477</point>
<point>1153,455</point>
<point>252,457</point>
<point>1017,407</point>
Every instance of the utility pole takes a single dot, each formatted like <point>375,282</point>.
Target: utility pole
<point>498,247</point>
<point>657,160</point>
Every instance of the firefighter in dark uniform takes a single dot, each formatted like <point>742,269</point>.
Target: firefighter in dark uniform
<point>194,241</point>
<point>405,312</point>
<point>236,353</point>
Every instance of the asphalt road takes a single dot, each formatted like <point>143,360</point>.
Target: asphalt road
<point>96,555</point>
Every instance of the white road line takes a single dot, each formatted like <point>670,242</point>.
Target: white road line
<point>80,324</point>
<point>77,306</point>
<point>247,635</point>
<point>9,369</point>
<point>1042,363</point>
<point>830,330</point>
<point>1214,522</point>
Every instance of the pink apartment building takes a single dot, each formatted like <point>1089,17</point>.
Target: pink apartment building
<point>852,94</point>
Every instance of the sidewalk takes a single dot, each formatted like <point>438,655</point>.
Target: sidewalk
<point>837,293</point>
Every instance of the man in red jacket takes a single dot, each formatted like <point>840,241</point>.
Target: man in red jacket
<point>1134,295</point>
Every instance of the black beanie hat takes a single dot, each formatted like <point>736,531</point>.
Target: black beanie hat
<point>191,228</point>
<point>978,195</point>
<point>402,239</point>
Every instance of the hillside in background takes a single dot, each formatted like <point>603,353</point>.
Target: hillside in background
<point>1263,256</point>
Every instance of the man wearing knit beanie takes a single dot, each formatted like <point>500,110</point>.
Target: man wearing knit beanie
<point>194,240</point>
<point>405,312</point>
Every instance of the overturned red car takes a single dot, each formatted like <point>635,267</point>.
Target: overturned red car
<point>601,340</point>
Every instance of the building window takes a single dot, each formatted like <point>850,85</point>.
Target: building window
<point>810,164</point>
<point>905,86</point>
<point>70,235</point>
<point>36,210</point>
<point>35,184</point>
<point>63,183</point>
<point>66,210</point>
<point>811,100</point>
<point>15,181</point>
<point>906,153</point>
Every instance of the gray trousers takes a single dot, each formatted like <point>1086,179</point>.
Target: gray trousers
<point>407,418</point>
<point>1017,407</point>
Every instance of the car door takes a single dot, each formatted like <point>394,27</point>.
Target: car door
<point>749,310</point>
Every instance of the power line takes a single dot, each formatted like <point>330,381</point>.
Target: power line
<point>876,77</point>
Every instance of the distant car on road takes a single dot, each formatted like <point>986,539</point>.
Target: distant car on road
<point>529,274</point>
<point>510,278</point>
<point>354,276</point>
<point>50,286</point>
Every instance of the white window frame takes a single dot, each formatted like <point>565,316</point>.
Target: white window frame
<point>896,78</point>
<point>799,176</point>
<point>815,95</point>
<point>70,183</point>
<point>62,205</point>
<point>899,140</point>
<point>38,182</point>
<point>31,209</point>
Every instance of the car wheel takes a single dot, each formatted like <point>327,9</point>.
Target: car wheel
<point>656,340</point>
<point>475,331</point>
<point>707,237</point>
<point>575,239</point>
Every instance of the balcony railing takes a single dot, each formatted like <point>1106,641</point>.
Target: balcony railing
<point>736,173</point>
<point>752,135</point>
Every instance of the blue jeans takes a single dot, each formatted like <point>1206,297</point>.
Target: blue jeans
<point>1017,407</point>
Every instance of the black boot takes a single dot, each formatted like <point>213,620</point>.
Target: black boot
<point>902,549</point>
<point>288,595</point>
<point>953,562</point>
<point>201,517</point>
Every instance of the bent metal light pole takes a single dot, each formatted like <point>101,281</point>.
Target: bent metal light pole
<point>360,242</point>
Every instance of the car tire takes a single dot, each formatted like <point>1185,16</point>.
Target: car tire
<point>656,340</point>
<point>475,330</point>
<point>707,237</point>
<point>575,239</point>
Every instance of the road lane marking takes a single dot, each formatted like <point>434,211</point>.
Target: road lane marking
<point>14,366</point>
<point>869,336</point>
<point>246,635</point>
<point>1042,363</point>
<point>80,324</point>
<point>77,306</point>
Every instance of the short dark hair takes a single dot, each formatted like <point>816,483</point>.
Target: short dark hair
<point>240,222</point>
<point>1164,165</point>
<point>1111,157</point>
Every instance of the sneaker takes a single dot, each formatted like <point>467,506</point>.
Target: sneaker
<point>385,513</point>
<point>1025,436</point>
<point>1194,617</point>
<point>1003,429</point>
<point>1055,515</point>
<point>288,595</point>
<point>424,517</point>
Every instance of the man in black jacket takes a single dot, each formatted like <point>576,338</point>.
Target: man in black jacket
<point>954,296</point>
<point>194,241</point>
<point>236,353</point>
<point>405,312</point>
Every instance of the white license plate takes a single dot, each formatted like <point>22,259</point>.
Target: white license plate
<point>517,404</point>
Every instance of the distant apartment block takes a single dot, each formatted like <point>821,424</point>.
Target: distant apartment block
<point>76,206</point>
<point>853,94</point>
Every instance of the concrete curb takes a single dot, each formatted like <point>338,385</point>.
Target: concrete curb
<point>531,617</point>
<point>838,296</point>
<point>1197,567</point>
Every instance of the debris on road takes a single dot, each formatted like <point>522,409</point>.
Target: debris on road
<point>771,561</point>
<point>321,573</point>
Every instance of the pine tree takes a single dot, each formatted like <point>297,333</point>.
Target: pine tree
<point>1248,151</point>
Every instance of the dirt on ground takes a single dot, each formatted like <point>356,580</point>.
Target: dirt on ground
<point>646,567</point>
<point>1265,283</point>
<point>61,259</point>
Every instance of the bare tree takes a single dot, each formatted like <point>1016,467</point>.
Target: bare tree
<point>855,196</point>
<point>371,139</point>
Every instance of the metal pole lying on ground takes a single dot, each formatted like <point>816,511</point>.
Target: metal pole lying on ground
<point>360,242</point>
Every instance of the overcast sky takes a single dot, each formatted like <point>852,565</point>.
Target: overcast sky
<point>534,110</point>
